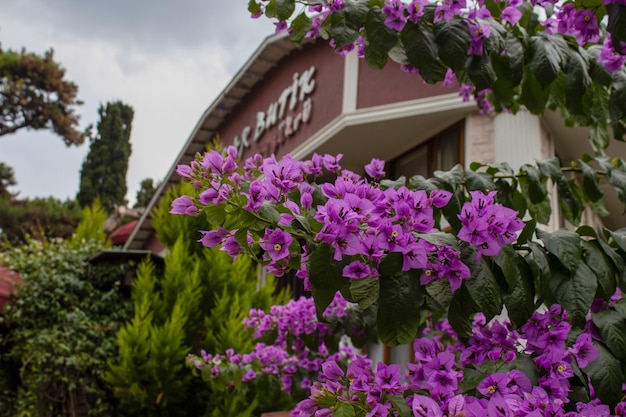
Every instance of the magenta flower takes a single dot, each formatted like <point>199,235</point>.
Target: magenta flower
<point>184,205</point>
<point>611,59</point>
<point>375,169</point>
<point>357,270</point>
<point>332,371</point>
<point>511,14</point>
<point>585,26</point>
<point>584,351</point>
<point>395,15</point>
<point>425,407</point>
<point>276,244</point>
<point>212,238</point>
<point>184,171</point>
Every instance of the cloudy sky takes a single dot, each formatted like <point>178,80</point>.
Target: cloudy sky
<point>167,59</point>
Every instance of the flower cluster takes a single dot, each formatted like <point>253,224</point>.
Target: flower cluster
<point>362,221</point>
<point>487,225</point>
<point>291,346</point>
<point>566,18</point>
<point>469,379</point>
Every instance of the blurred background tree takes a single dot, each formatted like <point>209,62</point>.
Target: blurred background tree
<point>34,94</point>
<point>103,173</point>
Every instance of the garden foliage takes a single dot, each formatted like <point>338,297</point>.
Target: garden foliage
<point>198,301</point>
<point>59,330</point>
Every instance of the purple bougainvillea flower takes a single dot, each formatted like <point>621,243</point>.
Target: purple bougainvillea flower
<point>212,238</point>
<point>276,244</point>
<point>357,270</point>
<point>583,350</point>
<point>332,371</point>
<point>184,171</point>
<point>511,14</point>
<point>425,407</point>
<point>376,168</point>
<point>184,205</point>
<point>396,18</point>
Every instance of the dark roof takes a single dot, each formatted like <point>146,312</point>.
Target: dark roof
<point>124,255</point>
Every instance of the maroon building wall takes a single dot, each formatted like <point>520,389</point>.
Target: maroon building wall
<point>390,85</point>
<point>325,102</point>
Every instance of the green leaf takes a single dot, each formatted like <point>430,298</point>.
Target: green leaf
<point>459,313</point>
<point>533,96</point>
<point>570,200</point>
<point>326,276</point>
<point>612,326</point>
<point>520,298</point>
<point>365,291</point>
<point>400,302</point>
<point>578,81</point>
<point>590,182</point>
<point>550,167</point>
<point>285,8</point>
<point>343,410</point>
<point>380,39</point>
<point>422,52</point>
<point>478,181</point>
<point>399,403</point>
<point>453,38</point>
<point>617,178</point>
<point>482,287</point>
<point>341,29</point>
<point>270,212</point>
<point>215,214</point>
<point>253,7</point>
<point>602,268</point>
<point>546,56</point>
<point>537,191</point>
<point>574,290</point>
<point>527,232</point>
<point>480,71</point>
<point>619,237</point>
<point>418,182</point>
<point>439,294</point>
<point>565,245</point>
<point>606,376</point>
<point>299,27</point>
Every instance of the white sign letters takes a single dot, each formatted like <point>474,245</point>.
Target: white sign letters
<point>282,112</point>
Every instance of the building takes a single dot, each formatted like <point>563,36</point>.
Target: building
<point>301,100</point>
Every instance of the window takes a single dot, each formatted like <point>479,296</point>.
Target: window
<point>441,152</point>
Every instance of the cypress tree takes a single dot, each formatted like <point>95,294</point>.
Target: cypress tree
<point>197,302</point>
<point>103,173</point>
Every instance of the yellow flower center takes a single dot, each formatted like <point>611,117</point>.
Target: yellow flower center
<point>561,368</point>
<point>491,389</point>
<point>587,18</point>
<point>428,272</point>
<point>394,233</point>
<point>277,247</point>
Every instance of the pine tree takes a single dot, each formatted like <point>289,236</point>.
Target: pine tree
<point>103,173</point>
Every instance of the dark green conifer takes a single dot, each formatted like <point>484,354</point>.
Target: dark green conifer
<point>103,173</point>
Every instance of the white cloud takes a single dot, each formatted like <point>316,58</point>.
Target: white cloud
<point>169,87</point>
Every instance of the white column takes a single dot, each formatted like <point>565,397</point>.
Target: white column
<point>517,138</point>
<point>518,141</point>
<point>350,82</point>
